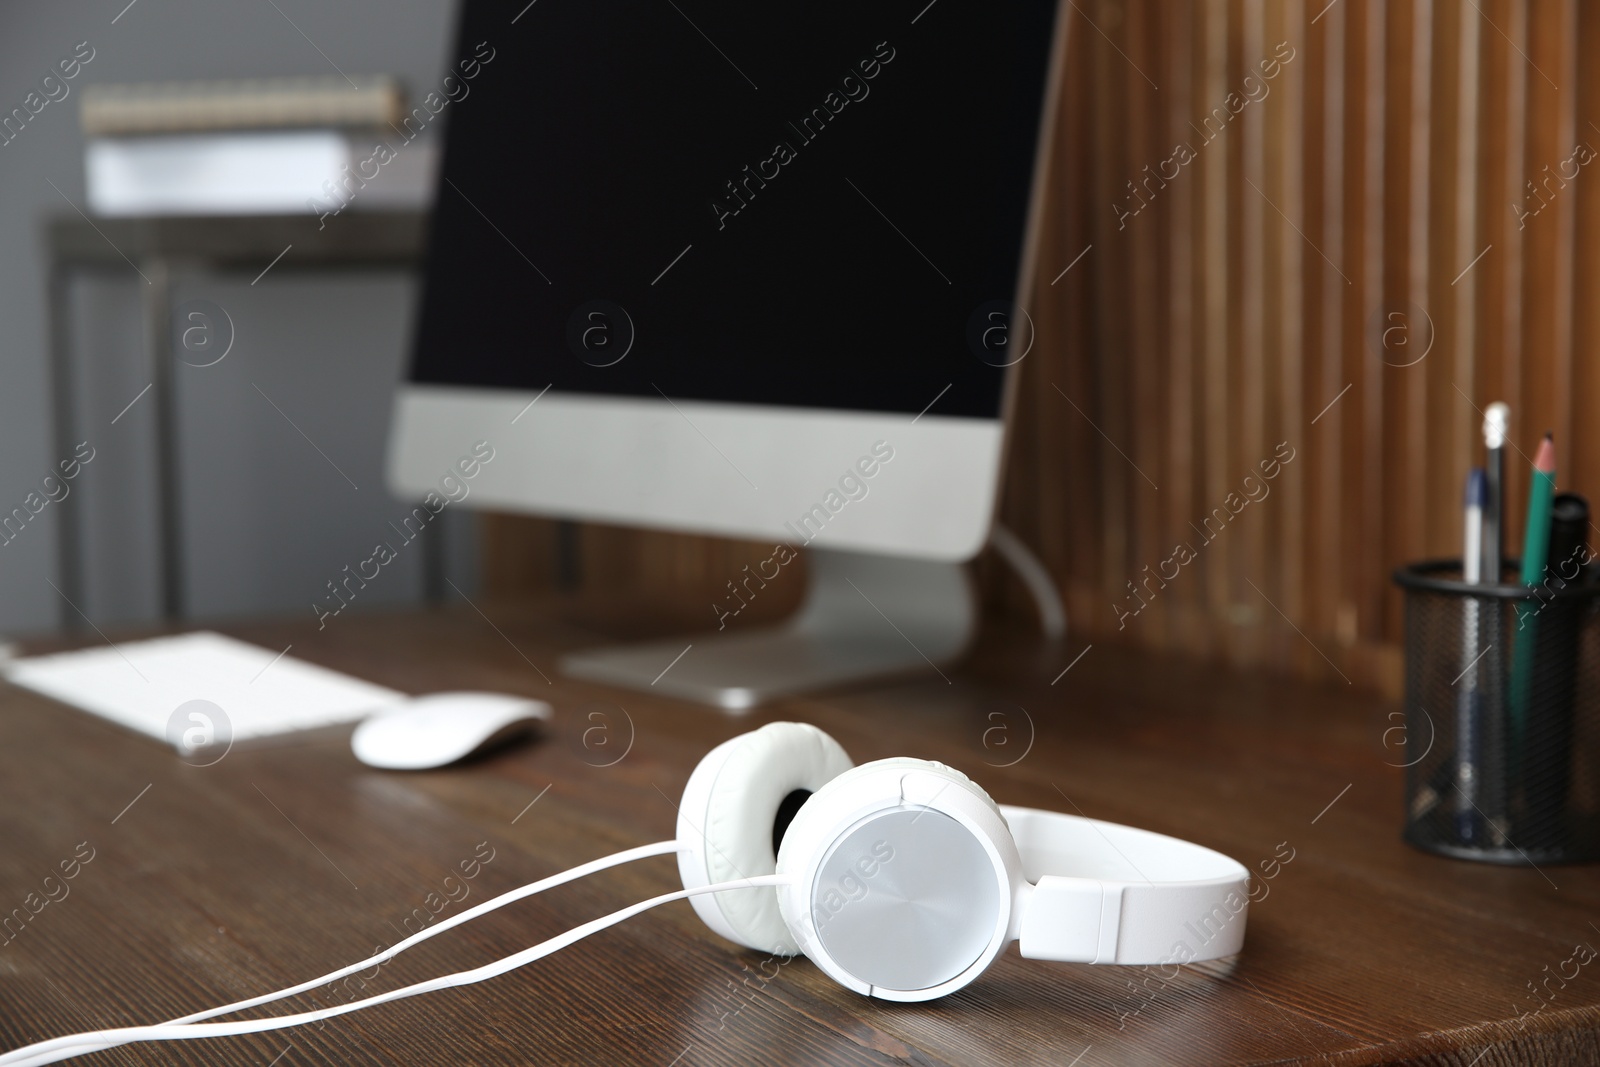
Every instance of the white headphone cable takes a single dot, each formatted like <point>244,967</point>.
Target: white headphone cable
<point>660,848</point>
<point>63,1048</point>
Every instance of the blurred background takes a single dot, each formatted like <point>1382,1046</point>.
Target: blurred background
<point>1345,260</point>
<point>262,517</point>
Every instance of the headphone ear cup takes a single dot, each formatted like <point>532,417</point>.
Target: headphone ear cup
<point>729,823</point>
<point>888,902</point>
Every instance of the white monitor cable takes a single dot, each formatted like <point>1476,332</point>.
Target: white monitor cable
<point>1035,578</point>
<point>190,1026</point>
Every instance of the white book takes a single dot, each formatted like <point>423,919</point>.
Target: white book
<point>257,172</point>
<point>111,110</point>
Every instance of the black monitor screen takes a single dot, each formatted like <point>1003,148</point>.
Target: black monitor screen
<point>816,204</point>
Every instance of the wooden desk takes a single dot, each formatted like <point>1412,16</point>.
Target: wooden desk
<point>280,864</point>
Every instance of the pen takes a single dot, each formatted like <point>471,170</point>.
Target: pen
<point>1472,527</point>
<point>1491,631</point>
<point>1468,699</point>
<point>1496,422</point>
<point>1541,494</point>
<point>1535,546</point>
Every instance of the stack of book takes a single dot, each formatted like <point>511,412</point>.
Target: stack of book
<point>270,146</point>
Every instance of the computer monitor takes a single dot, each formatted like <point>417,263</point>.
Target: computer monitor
<point>752,270</point>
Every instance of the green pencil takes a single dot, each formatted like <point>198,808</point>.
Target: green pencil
<point>1536,542</point>
<point>1535,550</point>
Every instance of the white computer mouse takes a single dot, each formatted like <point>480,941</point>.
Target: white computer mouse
<point>441,728</point>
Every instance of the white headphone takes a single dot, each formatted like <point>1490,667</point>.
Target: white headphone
<point>903,880</point>
<point>900,878</point>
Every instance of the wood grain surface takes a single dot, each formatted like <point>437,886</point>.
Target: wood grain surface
<point>281,863</point>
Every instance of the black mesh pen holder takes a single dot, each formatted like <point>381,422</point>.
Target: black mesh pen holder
<point>1502,715</point>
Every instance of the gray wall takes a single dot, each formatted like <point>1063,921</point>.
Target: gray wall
<point>267,519</point>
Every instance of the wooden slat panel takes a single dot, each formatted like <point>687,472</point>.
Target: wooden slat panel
<point>1287,142</point>
<point>1368,450</point>
<point>1148,321</point>
<point>1250,444</point>
<point>1502,265</point>
<point>1584,464</point>
<point>1185,416</point>
<point>1220,406</point>
<point>1325,291</point>
<point>1547,280</point>
<point>1451,296</point>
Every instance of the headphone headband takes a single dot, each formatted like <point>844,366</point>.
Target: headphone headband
<point>1106,893</point>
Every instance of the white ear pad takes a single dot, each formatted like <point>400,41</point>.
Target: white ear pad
<point>904,878</point>
<point>726,823</point>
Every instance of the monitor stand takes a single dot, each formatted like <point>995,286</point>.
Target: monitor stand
<point>864,616</point>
